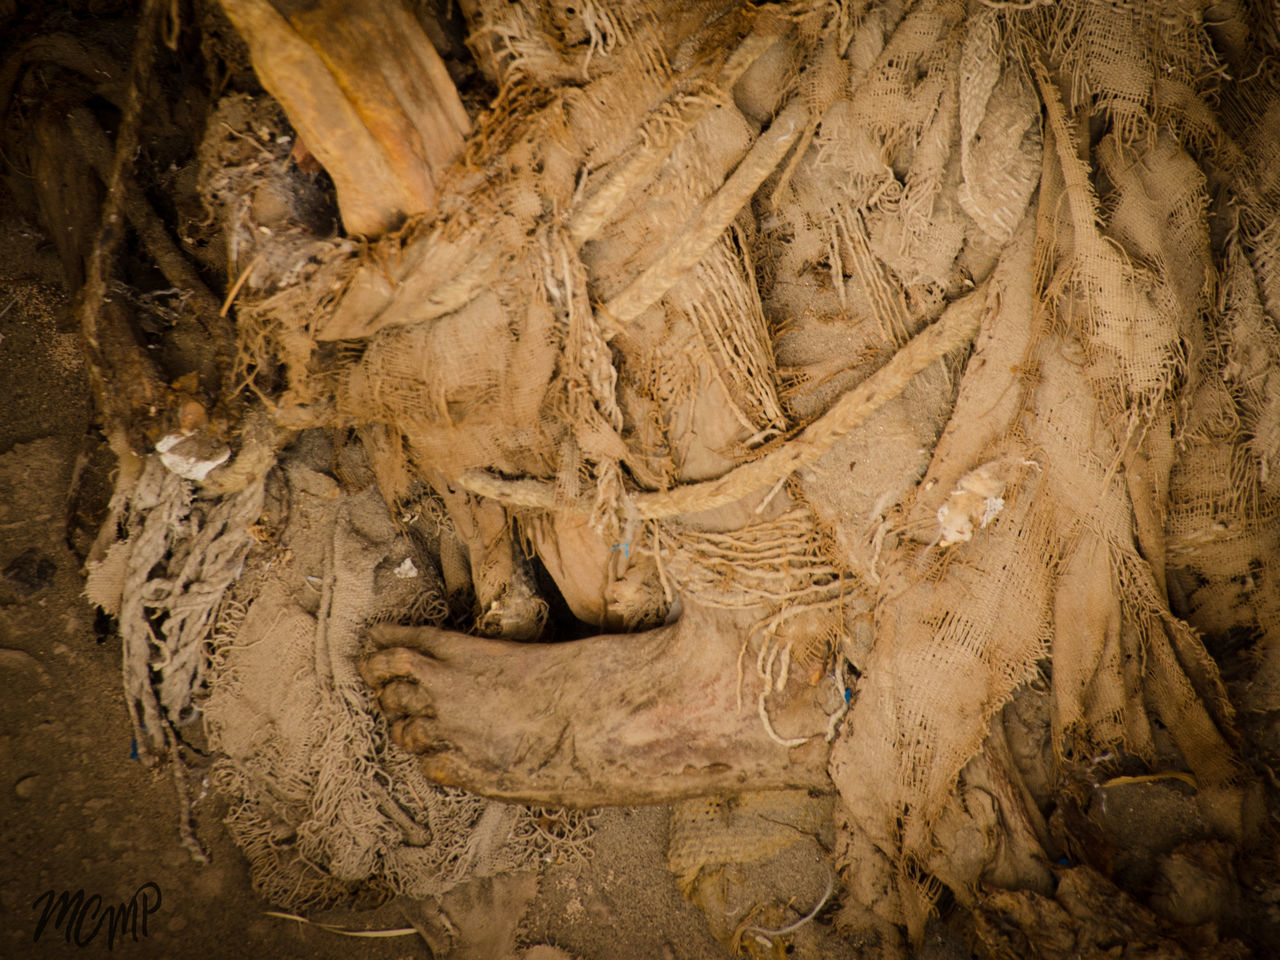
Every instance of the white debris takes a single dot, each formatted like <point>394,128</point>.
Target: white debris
<point>190,455</point>
<point>407,569</point>
<point>977,499</point>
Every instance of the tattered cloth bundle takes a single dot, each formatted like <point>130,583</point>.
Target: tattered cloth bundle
<point>251,612</point>
<point>674,339</point>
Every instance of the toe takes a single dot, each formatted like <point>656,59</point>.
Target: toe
<point>394,663</point>
<point>442,769</point>
<point>414,734</point>
<point>404,698</point>
<point>422,639</point>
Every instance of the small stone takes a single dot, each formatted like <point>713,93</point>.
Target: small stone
<point>191,416</point>
<point>30,571</point>
<point>600,912</point>
<point>26,786</point>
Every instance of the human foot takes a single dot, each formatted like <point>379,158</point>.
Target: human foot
<point>609,720</point>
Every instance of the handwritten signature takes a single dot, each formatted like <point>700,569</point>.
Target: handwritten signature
<point>75,913</point>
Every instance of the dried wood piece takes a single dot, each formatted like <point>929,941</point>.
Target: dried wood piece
<point>126,385</point>
<point>154,235</point>
<point>368,94</point>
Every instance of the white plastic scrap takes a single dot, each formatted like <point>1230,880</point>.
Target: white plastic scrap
<point>407,569</point>
<point>190,455</point>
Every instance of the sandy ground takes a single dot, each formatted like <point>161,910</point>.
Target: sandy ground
<point>80,813</point>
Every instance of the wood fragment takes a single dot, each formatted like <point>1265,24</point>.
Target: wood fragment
<point>126,386</point>
<point>177,269</point>
<point>369,95</point>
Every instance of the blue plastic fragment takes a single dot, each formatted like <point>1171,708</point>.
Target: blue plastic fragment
<point>626,549</point>
<point>133,749</point>
<point>848,695</point>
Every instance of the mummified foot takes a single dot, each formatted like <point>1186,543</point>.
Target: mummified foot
<point>610,720</point>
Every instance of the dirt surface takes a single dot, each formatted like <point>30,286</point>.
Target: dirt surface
<point>81,813</point>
